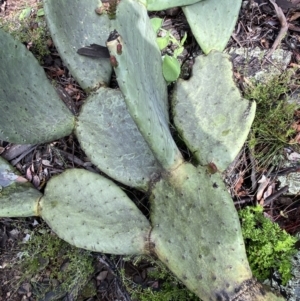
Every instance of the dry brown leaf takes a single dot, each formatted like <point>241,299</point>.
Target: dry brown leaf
<point>296,126</point>
<point>36,181</point>
<point>269,191</point>
<point>20,179</point>
<point>295,16</point>
<point>264,182</point>
<point>296,139</point>
<point>238,185</point>
<point>102,275</point>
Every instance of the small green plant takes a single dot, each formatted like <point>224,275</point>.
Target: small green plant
<point>170,288</point>
<point>271,129</point>
<point>171,64</point>
<point>44,254</point>
<point>267,246</point>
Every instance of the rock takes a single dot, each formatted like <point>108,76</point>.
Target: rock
<point>250,63</point>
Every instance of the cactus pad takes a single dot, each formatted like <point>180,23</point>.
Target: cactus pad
<point>139,74</point>
<point>112,141</point>
<point>17,196</point>
<point>201,244</point>
<point>91,212</point>
<point>74,24</point>
<point>31,111</point>
<point>165,4</point>
<point>212,22</point>
<point>209,112</point>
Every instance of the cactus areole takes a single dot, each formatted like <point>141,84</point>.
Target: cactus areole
<point>193,228</point>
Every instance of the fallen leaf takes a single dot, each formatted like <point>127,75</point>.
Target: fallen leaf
<point>264,181</point>
<point>238,185</point>
<point>102,275</point>
<point>20,179</point>
<point>268,192</point>
<point>295,16</point>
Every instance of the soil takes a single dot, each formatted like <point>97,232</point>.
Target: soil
<point>258,26</point>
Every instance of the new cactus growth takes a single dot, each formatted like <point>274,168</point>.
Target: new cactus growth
<point>193,228</point>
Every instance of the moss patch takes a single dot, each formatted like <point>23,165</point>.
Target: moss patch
<point>162,284</point>
<point>28,25</point>
<point>45,256</point>
<point>267,246</point>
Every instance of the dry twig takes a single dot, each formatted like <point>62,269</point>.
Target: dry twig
<point>283,30</point>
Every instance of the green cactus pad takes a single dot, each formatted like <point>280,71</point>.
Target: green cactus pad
<point>91,212</point>
<point>17,196</point>
<point>196,232</point>
<point>139,74</point>
<point>74,24</point>
<point>209,112</point>
<point>155,5</point>
<point>31,111</point>
<point>212,22</point>
<point>112,141</point>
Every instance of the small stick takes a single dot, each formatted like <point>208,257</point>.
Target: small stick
<point>275,195</point>
<point>283,30</point>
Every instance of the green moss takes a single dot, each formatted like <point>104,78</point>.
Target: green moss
<point>267,246</point>
<point>29,27</point>
<point>170,288</point>
<point>45,255</point>
<point>271,129</point>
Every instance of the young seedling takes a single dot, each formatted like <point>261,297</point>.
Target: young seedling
<point>171,64</point>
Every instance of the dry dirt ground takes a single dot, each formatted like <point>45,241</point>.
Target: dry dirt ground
<point>258,26</point>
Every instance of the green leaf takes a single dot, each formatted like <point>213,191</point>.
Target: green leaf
<point>156,24</point>
<point>163,41</point>
<point>25,13</point>
<point>40,12</point>
<point>171,68</point>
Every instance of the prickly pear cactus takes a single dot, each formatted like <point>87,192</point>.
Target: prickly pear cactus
<point>219,118</point>
<point>145,94</point>
<point>74,25</point>
<point>52,118</point>
<point>91,212</point>
<point>212,22</point>
<point>17,195</point>
<point>182,199</point>
<point>165,4</point>
<point>194,228</point>
<point>124,155</point>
